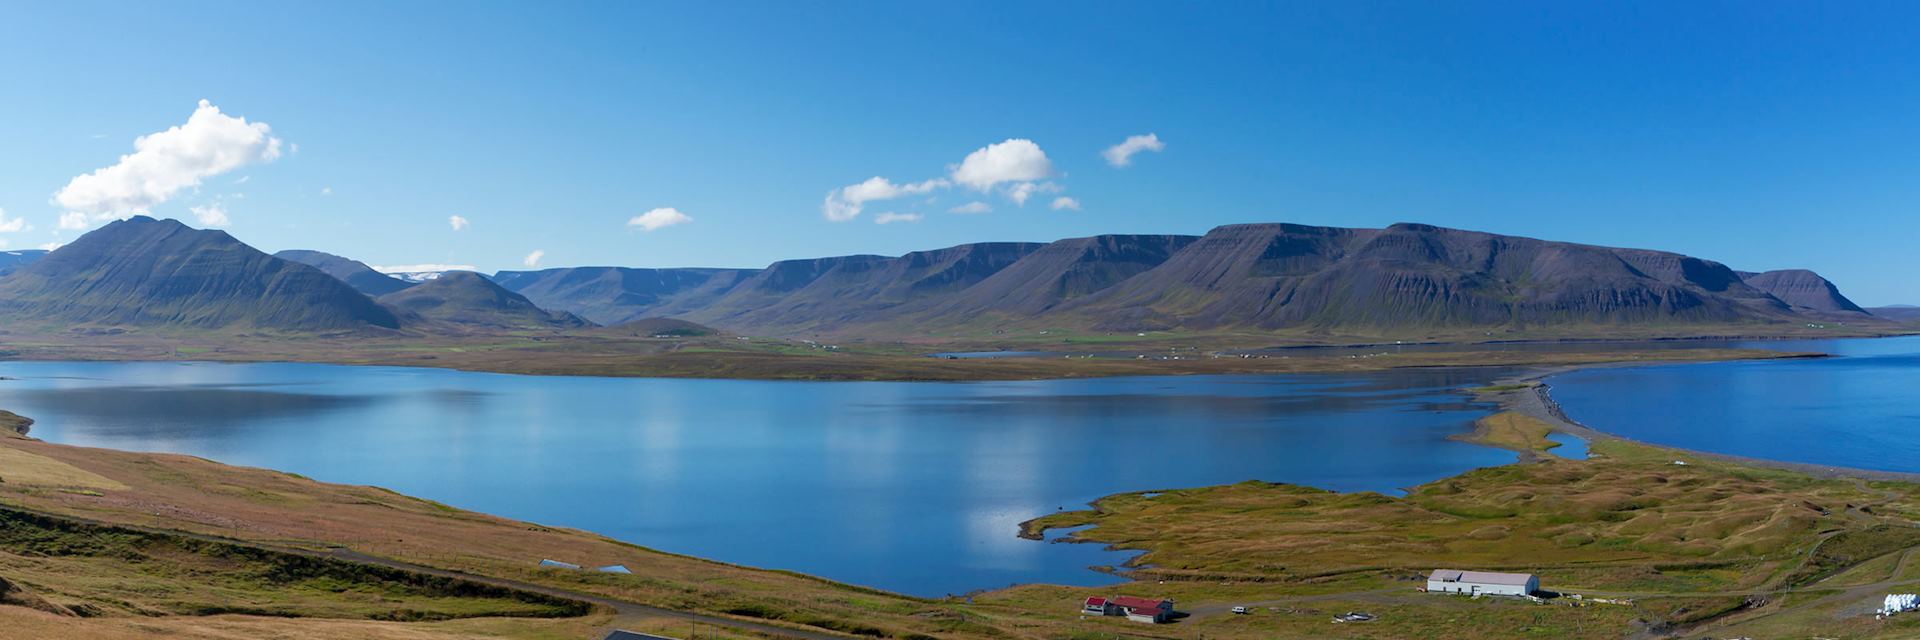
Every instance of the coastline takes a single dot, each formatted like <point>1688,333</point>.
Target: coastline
<point>1535,400</point>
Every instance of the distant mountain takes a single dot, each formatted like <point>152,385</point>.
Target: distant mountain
<point>469,300</point>
<point>659,328</point>
<point>1897,312</point>
<point>828,294</point>
<point>1802,289</point>
<point>615,295</point>
<point>147,272</point>
<point>353,272</point>
<point>416,275</point>
<point>11,261</point>
<point>1407,278</point>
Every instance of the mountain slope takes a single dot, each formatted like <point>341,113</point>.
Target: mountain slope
<point>614,295</point>
<point>1404,279</point>
<point>11,261</point>
<point>353,272</point>
<point>147,272</point>
<point>1274,276</point>
<point>469,300</point>
<point>828,294</point>
<point>1802,289</point>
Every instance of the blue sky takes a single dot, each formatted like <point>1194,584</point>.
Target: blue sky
<point>1764,135</point>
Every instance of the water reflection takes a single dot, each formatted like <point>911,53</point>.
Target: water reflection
<point>916,487</point>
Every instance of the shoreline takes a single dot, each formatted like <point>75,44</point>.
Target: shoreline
<point>1536,400</point>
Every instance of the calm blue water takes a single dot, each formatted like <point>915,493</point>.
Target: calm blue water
<point>914,487</point>
<point>1860,409</point>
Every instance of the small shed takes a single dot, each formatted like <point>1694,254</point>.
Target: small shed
<point>1097,606</point>
<point>1482,583</point>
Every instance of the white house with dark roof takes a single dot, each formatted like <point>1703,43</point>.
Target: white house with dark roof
<point>1488,583</point>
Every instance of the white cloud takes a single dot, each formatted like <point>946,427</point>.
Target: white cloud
<point>1064,202</point>
<point>74,220</point>
<point>212,215</point>
<point>891,217</point>
<point>1012,160</point>
<point>533,259</point>
<point>326,191</point>
<point>162,164</point>
<point>1019,192</point>
<point>457,222</point>
<point>972,207</point>
<point>12,225</point>
<point>244,180</point>
<point>844,203</point>
<point>422,268</point>
<point>52,245</point>
<point>1121,155</point>
<point>658,218</point>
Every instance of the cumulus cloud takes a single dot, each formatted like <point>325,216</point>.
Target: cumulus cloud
<point>459,223</point>
<point>73,220</point>
<point>972,207</point>
<point>52,245</point>
<point>1011,160</point>
<point>1019,192</point>
<point>212,215</point>
<point>533,259</point>
<point>1121,155</point>
<point>891,217</point>
<point>658,218</point>
<point>1064,202</point>
<point>12,225</point>
<point>326,191</point>
<point>845,203</point>
<point>164,163</point>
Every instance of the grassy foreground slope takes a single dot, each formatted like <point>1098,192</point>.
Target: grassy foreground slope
<point>1701,545</point>
<point>277,510</point>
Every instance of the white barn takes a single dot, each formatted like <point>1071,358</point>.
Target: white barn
<point>1482,583</point>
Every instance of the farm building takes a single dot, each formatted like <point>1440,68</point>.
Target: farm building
<point>1478,583</point>
<point>1135,609</point>
<point>1144,610</point>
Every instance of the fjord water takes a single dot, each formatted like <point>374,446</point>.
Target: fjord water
<point>1858,409</point>
<point>914,487</point>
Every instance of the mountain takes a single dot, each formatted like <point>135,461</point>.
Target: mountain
<point>353,272</point>
<point>615,295</point>
<point>659,328</point>
<point>1406,278</point>
<point>469,300</point>
<point>1060,272</point>
<point>1802,289</point>
<point>1897,312</point>
<point>11,261</point>
<point>147,272</point>
<point>827,294</point>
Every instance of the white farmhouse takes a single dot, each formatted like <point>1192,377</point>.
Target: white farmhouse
<point>1482,583</point>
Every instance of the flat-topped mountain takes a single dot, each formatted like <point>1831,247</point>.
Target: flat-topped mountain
<point>154,273</point>
<point>1802,289</point>
<point>1898,312</point>
<point>471,301</point>
<point>615,295</point>
<point>803,296</point>
<point>353,272</point>
<point>1261,277</point>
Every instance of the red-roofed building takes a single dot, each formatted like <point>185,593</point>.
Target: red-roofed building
<point>1143,609</point>
<point>1097,606</point>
